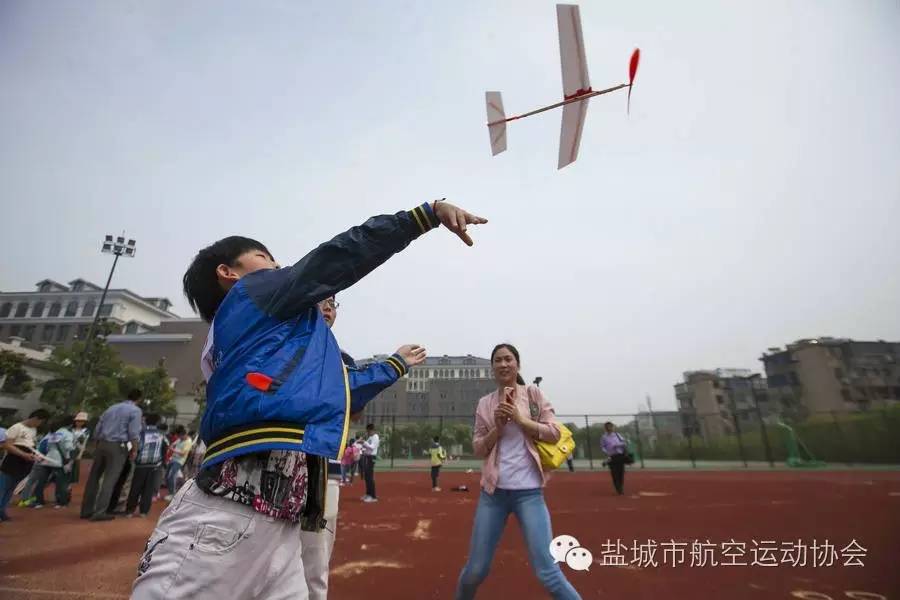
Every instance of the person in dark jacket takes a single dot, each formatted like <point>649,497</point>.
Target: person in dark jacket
<point>279,399</point>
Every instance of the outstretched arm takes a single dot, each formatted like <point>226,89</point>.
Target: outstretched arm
<point>369,381</point>
<point>341,262</point>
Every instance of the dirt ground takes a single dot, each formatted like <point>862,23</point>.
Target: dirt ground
<point>413,543</point>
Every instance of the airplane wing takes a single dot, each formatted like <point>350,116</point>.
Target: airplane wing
<point>575,77</point>
<point>575,81</point>
<point>494,102</point>
<point>570,134</point>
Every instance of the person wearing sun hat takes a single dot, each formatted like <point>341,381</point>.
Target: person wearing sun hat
<point>82,435</point>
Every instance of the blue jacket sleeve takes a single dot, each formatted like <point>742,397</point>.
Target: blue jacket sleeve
<point>338,263</point>
<point>369,381</point>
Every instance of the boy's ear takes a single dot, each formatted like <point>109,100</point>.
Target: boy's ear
<point>226,275</point>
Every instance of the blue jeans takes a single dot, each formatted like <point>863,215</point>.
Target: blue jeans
<point>172,473</point>
<point>8,484</point>
<point>534,520</point>
<point>28,491</point>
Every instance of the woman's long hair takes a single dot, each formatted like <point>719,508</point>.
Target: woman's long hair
<point>515,353</point>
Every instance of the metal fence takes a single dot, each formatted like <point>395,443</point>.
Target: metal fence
<point>734,439</point>
<point>743,439</point>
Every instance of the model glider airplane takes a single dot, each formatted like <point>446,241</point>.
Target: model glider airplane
<point>576,90</point>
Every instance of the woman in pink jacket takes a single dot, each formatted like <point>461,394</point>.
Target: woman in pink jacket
<point>507,423</point>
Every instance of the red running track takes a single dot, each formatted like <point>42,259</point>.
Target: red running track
<point>413,543</point>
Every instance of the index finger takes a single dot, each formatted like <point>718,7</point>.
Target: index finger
<point>474,220</point>
<point>464,236</point>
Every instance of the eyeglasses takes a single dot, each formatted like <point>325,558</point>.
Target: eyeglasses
<point>329,304</point>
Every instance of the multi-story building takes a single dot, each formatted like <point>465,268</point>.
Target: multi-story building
<point>718,402</point>
<point>448,386</point>
<point>57,314</point>
<point>833,374</point>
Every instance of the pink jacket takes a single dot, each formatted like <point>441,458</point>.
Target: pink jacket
<point>484,427</point>
<point>349,455</point>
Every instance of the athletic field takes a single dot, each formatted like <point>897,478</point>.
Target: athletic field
<point>413,543</point>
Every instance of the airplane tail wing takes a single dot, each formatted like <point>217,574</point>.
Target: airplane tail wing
<point>570,133</point>
<point>495,115</point>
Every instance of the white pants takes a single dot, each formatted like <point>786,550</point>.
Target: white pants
<point>209,548</point>
<point>316,547</point>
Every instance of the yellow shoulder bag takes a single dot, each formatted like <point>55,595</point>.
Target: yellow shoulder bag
<point>552,454</point>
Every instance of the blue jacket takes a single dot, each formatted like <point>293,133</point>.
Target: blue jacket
<point>278,379</point>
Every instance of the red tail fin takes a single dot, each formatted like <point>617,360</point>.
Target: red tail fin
<point>632,71</point>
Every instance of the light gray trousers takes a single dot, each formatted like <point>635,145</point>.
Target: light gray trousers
<point>210,548</point>
<point>316,547</point>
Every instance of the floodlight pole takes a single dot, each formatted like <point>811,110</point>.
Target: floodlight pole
<point>118,249</point>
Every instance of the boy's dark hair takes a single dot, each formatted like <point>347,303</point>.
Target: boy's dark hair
<point>135,395</point>
<point>437,439</point>
<point>180,430</point>
<point>40,413</point>
<point>370,426</point>
<point>152,419</point>
<point>201,284</point>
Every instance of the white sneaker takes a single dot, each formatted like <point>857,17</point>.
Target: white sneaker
<point>365,497</point>
<point>370,499</point>
<point>37,506</point>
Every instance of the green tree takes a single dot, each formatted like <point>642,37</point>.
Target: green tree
<point>200,398</point>
<point>458,434</point>
<point>156,385</point>
<point>14,377</point>
<point>98,390</point>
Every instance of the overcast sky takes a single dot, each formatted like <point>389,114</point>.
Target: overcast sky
<point>752,197</point>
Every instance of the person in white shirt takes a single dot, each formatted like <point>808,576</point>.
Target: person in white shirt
<point>20,456</point>
<point>367,462</point>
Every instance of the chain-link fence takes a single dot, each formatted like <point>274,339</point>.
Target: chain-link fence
<point>742,438</point>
